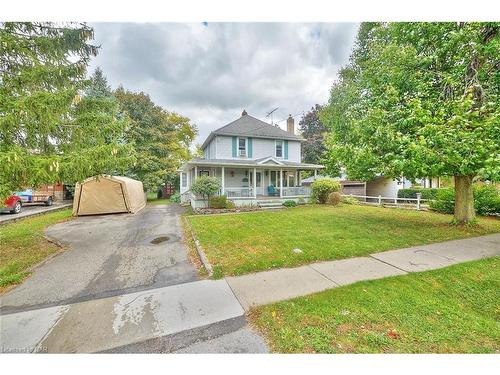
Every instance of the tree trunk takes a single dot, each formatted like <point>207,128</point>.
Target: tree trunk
<point>464,199</point>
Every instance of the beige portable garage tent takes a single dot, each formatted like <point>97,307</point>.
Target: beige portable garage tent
<point>108,195</point>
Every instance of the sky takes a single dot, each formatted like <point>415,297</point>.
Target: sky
<point>210,72</point>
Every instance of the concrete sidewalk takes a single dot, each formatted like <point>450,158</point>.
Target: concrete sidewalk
<point>157,320</point>
<point>276,285</point>
<point>171,318</point>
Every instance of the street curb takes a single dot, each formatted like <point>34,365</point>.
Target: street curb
<point>199,250</point>
<point>52,209</point>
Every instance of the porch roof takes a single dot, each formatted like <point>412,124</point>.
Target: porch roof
<point>268,163</point>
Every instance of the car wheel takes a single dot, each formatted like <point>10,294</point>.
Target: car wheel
<point>49,202</point>
<point>17,208</point>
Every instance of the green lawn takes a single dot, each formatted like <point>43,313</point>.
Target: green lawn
<point>22,245</point>
<point>256,241</point>
<point>450,310</point>
<point>152,199</point>
<point>159,201</point>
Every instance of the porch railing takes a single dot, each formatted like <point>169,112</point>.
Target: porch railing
<point>296,191</point>
<point>238,192</point>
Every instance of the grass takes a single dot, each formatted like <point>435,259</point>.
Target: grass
<point>152,199</point>
<point>450,310</point>
<point>22,245</point>
<point>242,243</point>
<point>159,201</point>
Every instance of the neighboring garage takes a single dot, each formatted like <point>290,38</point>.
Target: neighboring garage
<point>108,195</point>
<point>353,187</point>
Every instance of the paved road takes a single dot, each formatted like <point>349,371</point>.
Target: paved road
<point>30,210</point>
<point>108,255</point>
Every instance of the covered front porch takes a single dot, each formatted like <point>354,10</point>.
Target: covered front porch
<point>246,185</point>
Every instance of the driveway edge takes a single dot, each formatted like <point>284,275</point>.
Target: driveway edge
<point>201,254</point>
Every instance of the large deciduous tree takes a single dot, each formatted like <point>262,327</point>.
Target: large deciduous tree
<point>418,100</point>
<point>313,130</point>
<point>161,139</point>
<point>43,136</point>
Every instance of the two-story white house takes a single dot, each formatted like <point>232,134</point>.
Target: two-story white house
<point>255,161</point>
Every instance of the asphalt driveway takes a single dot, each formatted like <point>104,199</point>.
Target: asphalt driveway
<point>108,255</point>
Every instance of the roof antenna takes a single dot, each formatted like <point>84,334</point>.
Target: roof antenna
<point>272,115</point>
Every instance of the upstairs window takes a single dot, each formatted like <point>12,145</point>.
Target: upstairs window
<point>242,147</point>
<point>279,149</point>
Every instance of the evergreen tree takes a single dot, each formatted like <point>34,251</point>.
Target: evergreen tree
<point>42,75</point>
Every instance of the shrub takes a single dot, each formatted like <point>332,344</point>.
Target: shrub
<point>445,201</point>
<point>206,186</point>
<point>175,198</point>
<point>334,198</point>
<point>349,200</point>
<point>289,203</point>
<point>220,202</point>
<point>486,200</point>
<point>321,189</point>
<point>430,193</point>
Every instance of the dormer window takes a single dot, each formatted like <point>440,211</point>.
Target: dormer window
<point>279,149</point>
<point>242,147</point>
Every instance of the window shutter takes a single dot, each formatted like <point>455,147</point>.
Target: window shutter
<point>286,148</point>
<point>249,147</point>
<point>234,147</point>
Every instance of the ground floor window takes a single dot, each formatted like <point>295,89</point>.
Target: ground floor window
<point>204,173</point>
<point>275,178</point>
<point>184,179</point>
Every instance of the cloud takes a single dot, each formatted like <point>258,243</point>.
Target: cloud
<point>210,72</point>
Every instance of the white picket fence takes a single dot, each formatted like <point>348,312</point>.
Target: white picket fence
<point>418,202</point>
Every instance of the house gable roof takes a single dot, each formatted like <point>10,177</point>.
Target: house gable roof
<point>249,126</point>
<point>269,161</point>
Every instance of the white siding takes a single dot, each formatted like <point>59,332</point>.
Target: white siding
<point>261,148</point>
<point>224,147</point>
<point>209,151</point>
<point>294,151</point>
<point>237,179</point>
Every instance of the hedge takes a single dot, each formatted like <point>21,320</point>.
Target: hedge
<point>429,193</point>
<point>486,200</point>
<point>220,201</point>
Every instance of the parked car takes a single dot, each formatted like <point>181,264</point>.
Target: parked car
<point>13,205</point>
<point>16,201</point>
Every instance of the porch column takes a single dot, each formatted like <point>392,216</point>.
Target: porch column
<point>195,172</point>
<point>281,183</point>
<point>223,182</point>
<point>188,175</point>
<point>315,174</point>
<point>255,183</point>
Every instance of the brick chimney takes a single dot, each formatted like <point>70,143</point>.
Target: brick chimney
<point>290,124</point>
<point>244,113</point>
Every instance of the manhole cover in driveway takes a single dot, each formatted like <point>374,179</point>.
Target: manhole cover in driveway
<point>157,240</point>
